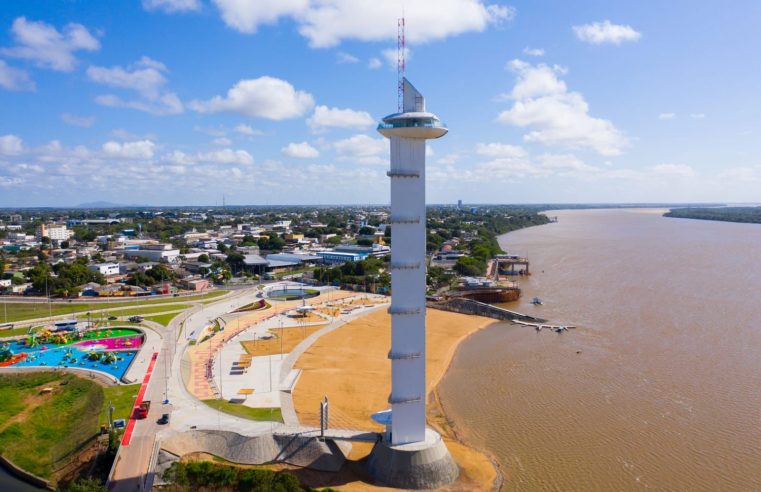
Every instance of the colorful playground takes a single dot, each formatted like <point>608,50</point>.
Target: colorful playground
<point>106,350</point>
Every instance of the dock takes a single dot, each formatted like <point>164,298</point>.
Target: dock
<point>544,326</point>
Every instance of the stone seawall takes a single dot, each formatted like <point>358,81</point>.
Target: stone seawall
<point>469,306</point>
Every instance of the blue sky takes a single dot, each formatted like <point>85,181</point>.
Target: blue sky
<point>177,102</point>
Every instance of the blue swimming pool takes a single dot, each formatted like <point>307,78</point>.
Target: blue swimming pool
<point>51,355</point>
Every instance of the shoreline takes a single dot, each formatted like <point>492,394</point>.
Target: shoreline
<point>451,430</point>
<point>346,365</point>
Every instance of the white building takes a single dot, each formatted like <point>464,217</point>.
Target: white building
<point>105,268</point>
<point>159,253</point>
<point>54,231</point>
<point>408,132</point>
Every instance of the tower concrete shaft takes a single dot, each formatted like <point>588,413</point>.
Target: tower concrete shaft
<point>408,132</point>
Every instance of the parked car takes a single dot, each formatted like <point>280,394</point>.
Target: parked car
<point>112,318</point>
<point>163,420</point>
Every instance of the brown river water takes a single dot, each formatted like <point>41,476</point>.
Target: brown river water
<point>660,386</point>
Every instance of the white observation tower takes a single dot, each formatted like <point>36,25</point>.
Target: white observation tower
<point>408,132</point>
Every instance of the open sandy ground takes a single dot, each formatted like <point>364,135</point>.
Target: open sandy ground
<point>350,367</point>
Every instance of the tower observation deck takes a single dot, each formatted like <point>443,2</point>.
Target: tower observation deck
<point>408,132</point>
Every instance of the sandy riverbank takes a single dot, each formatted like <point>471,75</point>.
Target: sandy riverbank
<point>350,367</point>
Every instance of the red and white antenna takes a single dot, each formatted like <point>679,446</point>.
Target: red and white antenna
<point>400,64</point>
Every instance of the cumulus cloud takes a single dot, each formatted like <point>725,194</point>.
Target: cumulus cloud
<point>11,145</point>
<point>391,55</point>
<point>265,97</point>
<point>300,151</point>
<point>47,47</point>
<point>147,78</point>
<point>222,141</point>
<point>140,149</point>
<point>15,79</point>
<point>226,156</point>
<point>166,104</point>
<point>606,32</point>
<point>533,51</point>
<point>172,6</point>
<point>325,117</point>
<point>342,57</point>
<point>248,131</point>
<point>362,149</point>
<point>557,117</point>
<point>326,23</point>
<point>667,116</point>
<point>374,63</point>
<point>76,120</point>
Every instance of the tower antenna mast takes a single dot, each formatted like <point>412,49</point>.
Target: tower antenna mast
<point>400,64</point>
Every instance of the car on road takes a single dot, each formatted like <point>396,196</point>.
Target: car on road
<point>163,420</point>
<point>112,318</point>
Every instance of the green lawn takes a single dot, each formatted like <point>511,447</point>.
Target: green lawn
<point>261,414</point>
<point>123,399</point>
<point>38,432</point>
<point>139,311</point>
<point>19,311</point>
<point>162,319</point>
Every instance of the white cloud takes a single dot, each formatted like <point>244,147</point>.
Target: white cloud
<point>362,149</point>
<point>300,150</point>
<point>606,33</point>
<point>43,44</point>
<point>374,63</point>
<point>140,149</point>
<point>226,156</point>
<point>172,6</point>
<point>326,23</point>
<point>342,57</point>
<point>265,97</point>
<point>667,116</point>
<point>674,170</point>
<point>533,51</point>
<point>500,150</point>
<point>246,16</point>
<point>15,79</point>
<point>325,117</point>
<point>542,102</point>
<point>697,116</point>
<point>11,145</point>
<point>76,120</point>
<point>248,131</point>
<point>222,141</point>
<point>146,77</point>
<point>167,104</point>
<point>391,55</point>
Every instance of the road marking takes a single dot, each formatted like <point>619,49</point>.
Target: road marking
<point>140,394</point>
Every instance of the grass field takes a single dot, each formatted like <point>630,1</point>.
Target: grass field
<point>38,431</point>
<point>19,311</point>
<point>122,397</point>
<point>162,319</point>
<point>261,414</point>
<point>148,310</point>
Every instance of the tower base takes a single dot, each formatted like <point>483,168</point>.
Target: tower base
<point>418,465</point>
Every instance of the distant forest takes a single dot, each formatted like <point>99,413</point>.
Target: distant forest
<point>726,214</point>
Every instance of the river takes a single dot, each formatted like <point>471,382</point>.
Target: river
<point>9,483</point>
<point>660,386</point>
